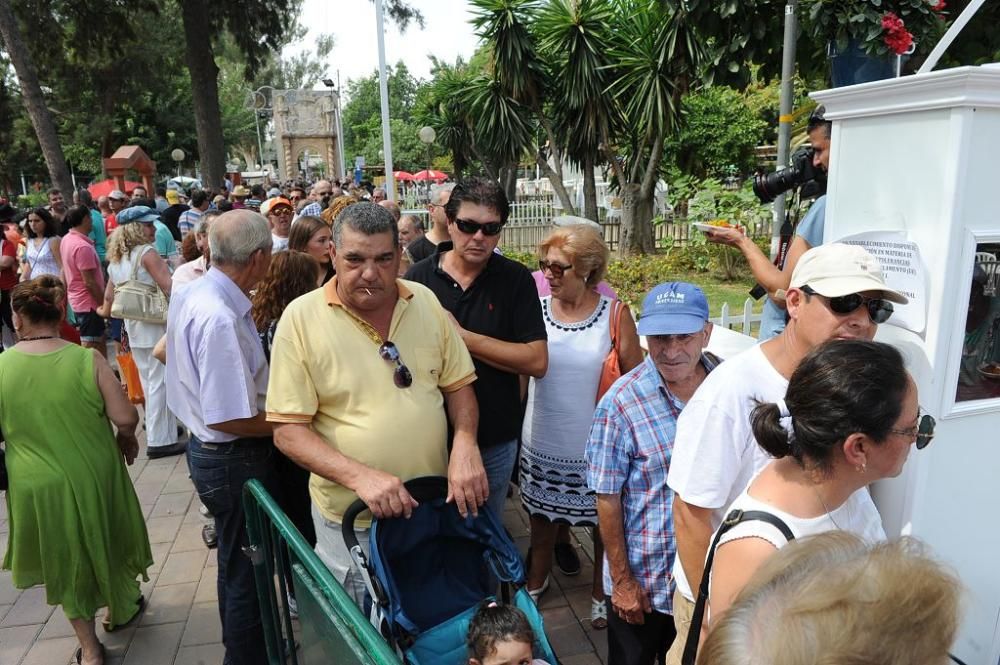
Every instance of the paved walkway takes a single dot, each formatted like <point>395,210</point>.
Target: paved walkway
<point>181,623</point>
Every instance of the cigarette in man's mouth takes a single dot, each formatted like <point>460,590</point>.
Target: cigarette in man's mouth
<point>368,291</point>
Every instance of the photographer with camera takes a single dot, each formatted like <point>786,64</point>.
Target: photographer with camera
<point>808,173</point>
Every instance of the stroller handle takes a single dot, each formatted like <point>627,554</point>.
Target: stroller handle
<point>425,488</point>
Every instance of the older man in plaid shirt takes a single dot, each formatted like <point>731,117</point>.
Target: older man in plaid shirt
<point>629,455</point>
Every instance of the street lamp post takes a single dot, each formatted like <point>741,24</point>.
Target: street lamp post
<point>178,156</point>
<point>335,89</point>
<point>427,136</point>
<point>390,180</point>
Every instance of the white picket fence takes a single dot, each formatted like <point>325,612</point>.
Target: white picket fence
<point>743,321</point>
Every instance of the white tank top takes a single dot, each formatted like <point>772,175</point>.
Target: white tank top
<point>41,259</point>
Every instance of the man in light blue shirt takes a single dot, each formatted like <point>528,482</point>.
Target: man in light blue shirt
<point>217,385</point>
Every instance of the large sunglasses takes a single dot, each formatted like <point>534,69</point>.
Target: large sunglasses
<point>557,269</point>
<point>401,375</point>
<point>470,228</point>
<point>923,432</point>
<point>879,309</point>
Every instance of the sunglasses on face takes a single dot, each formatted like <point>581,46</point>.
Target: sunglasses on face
<point>923,432</point>
<point>470,228</point>
<point>401,375</point>
<point>879,309</point>
<point>557,269</point>
<point>282,212</point>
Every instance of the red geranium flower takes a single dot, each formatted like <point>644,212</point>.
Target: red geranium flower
<point>939,6</point>
<point>897,37</point>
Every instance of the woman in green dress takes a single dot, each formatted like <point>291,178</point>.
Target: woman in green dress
<point>75,524</point>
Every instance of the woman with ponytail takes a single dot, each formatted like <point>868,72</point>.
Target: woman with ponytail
<point>848,419</point>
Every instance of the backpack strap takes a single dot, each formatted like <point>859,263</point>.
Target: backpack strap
<point>697,617</point>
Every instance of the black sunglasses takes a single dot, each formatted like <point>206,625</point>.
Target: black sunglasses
<point>879,309</point>
<point>923,432</point>
<point>470,228</point>
<point>401,375</point>
<point>557,269</point>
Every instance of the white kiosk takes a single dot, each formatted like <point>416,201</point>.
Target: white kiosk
<point>918,156</point>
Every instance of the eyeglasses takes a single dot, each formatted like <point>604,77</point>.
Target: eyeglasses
<point>401,375</point>
<point>557,269</point>
<point>923,432</point>
<point>281,212</point>
<point>470,228</point>
<point>879,309</point>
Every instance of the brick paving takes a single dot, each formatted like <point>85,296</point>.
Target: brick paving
<point>180,625</point>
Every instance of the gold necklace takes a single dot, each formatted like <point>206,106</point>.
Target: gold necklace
<point>823,503</point>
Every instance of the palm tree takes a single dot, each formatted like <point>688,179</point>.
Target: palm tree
<point>573,37</point>
<point>511,99</point>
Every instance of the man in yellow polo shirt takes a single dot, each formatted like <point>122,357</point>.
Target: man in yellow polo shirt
<point>366,372</point>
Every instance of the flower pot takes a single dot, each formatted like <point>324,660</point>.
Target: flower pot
<point>853,65</point>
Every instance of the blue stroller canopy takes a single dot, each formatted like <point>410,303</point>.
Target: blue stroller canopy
<point>432,571</point>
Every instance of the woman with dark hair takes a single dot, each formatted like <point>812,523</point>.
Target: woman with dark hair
<point>849,418</point>
<point>291,274</point>
<point>75,522</point>
<point>41,252</point>
<point>311,235</point>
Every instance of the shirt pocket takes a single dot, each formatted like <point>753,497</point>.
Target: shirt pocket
<point>428,364</point>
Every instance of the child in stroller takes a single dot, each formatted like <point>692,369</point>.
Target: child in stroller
<point>500,635</point>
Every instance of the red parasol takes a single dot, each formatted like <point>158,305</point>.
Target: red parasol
<point>430,175</point>
<point>105,187</point>
<point>402,175</point>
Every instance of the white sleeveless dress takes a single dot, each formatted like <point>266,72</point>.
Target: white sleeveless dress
<point>41,259</point>
<point>560,410</point>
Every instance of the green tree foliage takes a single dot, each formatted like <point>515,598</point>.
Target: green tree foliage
<point>718,134</point>
<point>362,120</point>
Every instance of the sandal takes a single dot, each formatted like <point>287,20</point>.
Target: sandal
<point>536,594</point>
<point>108,628</point>
<point>79,654</point>
<point>598,614</point>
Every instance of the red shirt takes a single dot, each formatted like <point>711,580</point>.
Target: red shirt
<point>69,333</point>
<point>8,277</point>
<point>110,223</point>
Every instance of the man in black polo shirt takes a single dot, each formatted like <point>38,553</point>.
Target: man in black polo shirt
<point>494,305</point>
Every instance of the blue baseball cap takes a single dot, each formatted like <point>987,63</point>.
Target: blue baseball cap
<point>137,214</point>
<point>673,308</point>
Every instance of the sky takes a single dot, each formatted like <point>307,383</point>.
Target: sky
<point>447,34</point>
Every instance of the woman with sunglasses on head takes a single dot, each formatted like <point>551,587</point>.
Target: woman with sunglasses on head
<point>849,418</point>
<point>560,405</point>
<point>41,253</point>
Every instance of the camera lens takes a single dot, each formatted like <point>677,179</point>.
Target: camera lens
<point>769,186</point>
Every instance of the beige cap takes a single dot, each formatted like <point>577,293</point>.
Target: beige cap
<point>837,269</point>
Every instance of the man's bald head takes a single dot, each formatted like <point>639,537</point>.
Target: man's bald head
<point>235,235</point>
<point>321,189</point>
<point>393,208</point>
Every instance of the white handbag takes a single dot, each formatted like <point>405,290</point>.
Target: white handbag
<point>136,300</point>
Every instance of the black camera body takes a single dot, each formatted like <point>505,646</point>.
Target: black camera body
<point>810,180</point>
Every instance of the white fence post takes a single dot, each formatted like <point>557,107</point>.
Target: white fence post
<point>745,320</point>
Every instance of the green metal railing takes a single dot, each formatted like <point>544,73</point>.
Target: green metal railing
<point>331,627</point>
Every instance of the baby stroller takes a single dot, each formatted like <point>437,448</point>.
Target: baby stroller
<point>426,576</point>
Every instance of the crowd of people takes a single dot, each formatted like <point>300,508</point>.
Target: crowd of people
<point>322,343</point>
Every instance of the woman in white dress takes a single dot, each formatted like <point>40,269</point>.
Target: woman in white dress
<point>560,407</point>
<point>41,252</point>
<point>130,245</point>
